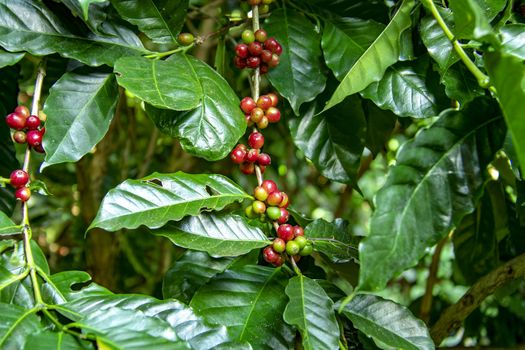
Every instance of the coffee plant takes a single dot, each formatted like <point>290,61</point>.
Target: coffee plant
<point>262,174</point>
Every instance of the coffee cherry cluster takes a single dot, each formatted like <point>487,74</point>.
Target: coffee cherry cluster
<point>295,248</point>
<point>257,50</point>
<point>19,179</point>
<point>27,128</point>
<point>269,203</point>
<point>262,112</point>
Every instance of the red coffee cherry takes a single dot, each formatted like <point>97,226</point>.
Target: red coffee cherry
<point>241,50</point>
<point>23,194</point>
<point>283,219</point>
<point>256,140</point>
<point>274,98</point>
<point>264,159</point>
<point>247,168</point>
<point>238,154</point>
<point>252,155</point>
<point>298,231</point>
<point>270,255</point>
<point>248,104</point>
<point>34,138</point>
<point>239,62</point>
<point>264,102</point>
<point>255,48</point>
<point>273,114</point>
<point>15,121</point>
<point>269,185</point>
<point>18,178</point>
<point>22,111</point>
<point>32,122</point>
<point>285,201</point>
<point>260,35</point>
<point>256,115</point>
<point>285,232</point>
<point>253,62</point>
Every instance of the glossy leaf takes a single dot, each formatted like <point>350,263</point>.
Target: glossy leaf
<point>9,58</point>
<point>390,323</point>
<point>345,40</point>
<point>437,180</point>
<point>380,124</point>
<point>158,198</point>
<point>470,20</point>
<point>513,39</point>
<point>92,12</point>
<point>333,239</point>
<point>80,107</point>
<point>408,89</point>
<point>191,271</point>
<point>333,140</point>
<point>16,324</point>
<point>249,302</point>
<point>45,34</point>
<point>8,98</point>
<point>371,9</point>
<point>507,74</point>
<point>216,234</point>
<point>373,63</point>
<point>132,321</point>
<point>47,339</point>
<point>460,84</point>
<point>312,312</point>
<point>160,20</point>
<point>438,45</point>
<point>299,76</point>
<point>7,226</point>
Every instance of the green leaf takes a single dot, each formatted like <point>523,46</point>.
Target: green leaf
<point>371,9</point>
<point>9,58</point>
<point>92,12</point>
<point>80,106</point>
<point>470,20</point>
<point>249,302</point>
<point>16,324</point>
<point>45,34</point>
<point>437,180</point>
<point>460,84</point>
<point>345,40</point>
<point>380,124</point>
<point>491,8</point>
<point>333,239</point>
<point>70,285</point>
<point>47,339</point>
<point>84,4</point>
<point>513,39</point>
<point>507,74</point>
<point>143,322</point>
<point>438,45</point>
<point>409,90</point>
<point>160,20</point>
<point>217,234</point>
<point>299,76</point>
<point>388,322</point>
<point>190,272</point>
<point>158,198</point>
<point>7,226</point>
<point>476,237</point>
<point>312,312</point>
<point>333,140</point>
<point>373,63</point>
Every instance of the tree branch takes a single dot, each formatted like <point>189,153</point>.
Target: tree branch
<point>454,315</point>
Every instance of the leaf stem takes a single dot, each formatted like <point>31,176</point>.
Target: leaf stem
<point>483,80</point>
<point>159,55</point>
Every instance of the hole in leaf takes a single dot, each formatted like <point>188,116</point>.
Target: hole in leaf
<point>155,182</point>
<point>80,285</point>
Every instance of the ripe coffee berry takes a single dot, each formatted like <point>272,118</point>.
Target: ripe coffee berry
<point>15,121</point>
<point>256,115</point>
<point>248,104</point>
<point>247,168</point>
<point>241,50</point>
<point>270,255</point>
<point>23,194</point>
<point>284,216</point>
<point>269,185</point>
<point>19,137</point>
<point>274,62</point>
<point>285,201</point>
<point>238,155</point>
<point>252,155</point>
<point>264,159</point>
<point>298,231</point>
<point>256,140</point>
<point>274,198</point>
<point>264,102</point>
<point>32,122</point>
<point>253,62</point>
<point>39,149</point>
<point>285,232</point>
<point>270,44</point>
<point>273,213</point>
<point>34,138</point>
<point>273,114</point>
<point>185,39</point>
<point>22,111</point>
<point>239,62</point>
<point>274,98</point>
<point>266,56</point>
<point>18,178</point>
<point>255,48</point>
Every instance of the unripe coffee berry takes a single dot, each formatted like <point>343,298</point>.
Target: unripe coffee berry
<point>249,212</point>
<point>263,123</point>
<point>285,232</point>
<point>248,36</point>
<point>260,35</point>
<point>19,137</point>
<point>248,104</point>
<point>185,39</point>
<point>260,193</point>
<point>279,245</point>
<point>307,250</point>
<point>259,207</point>
<point>22,111</point>
<point>18,178</point>
<point>23,194</point>
<point>285,201</point>
<point>256,140</point>
<point>274,98</point>
<point>256,115</point>
<point>301,240</point>
<point>273,213</point>
<point>292,248</point>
